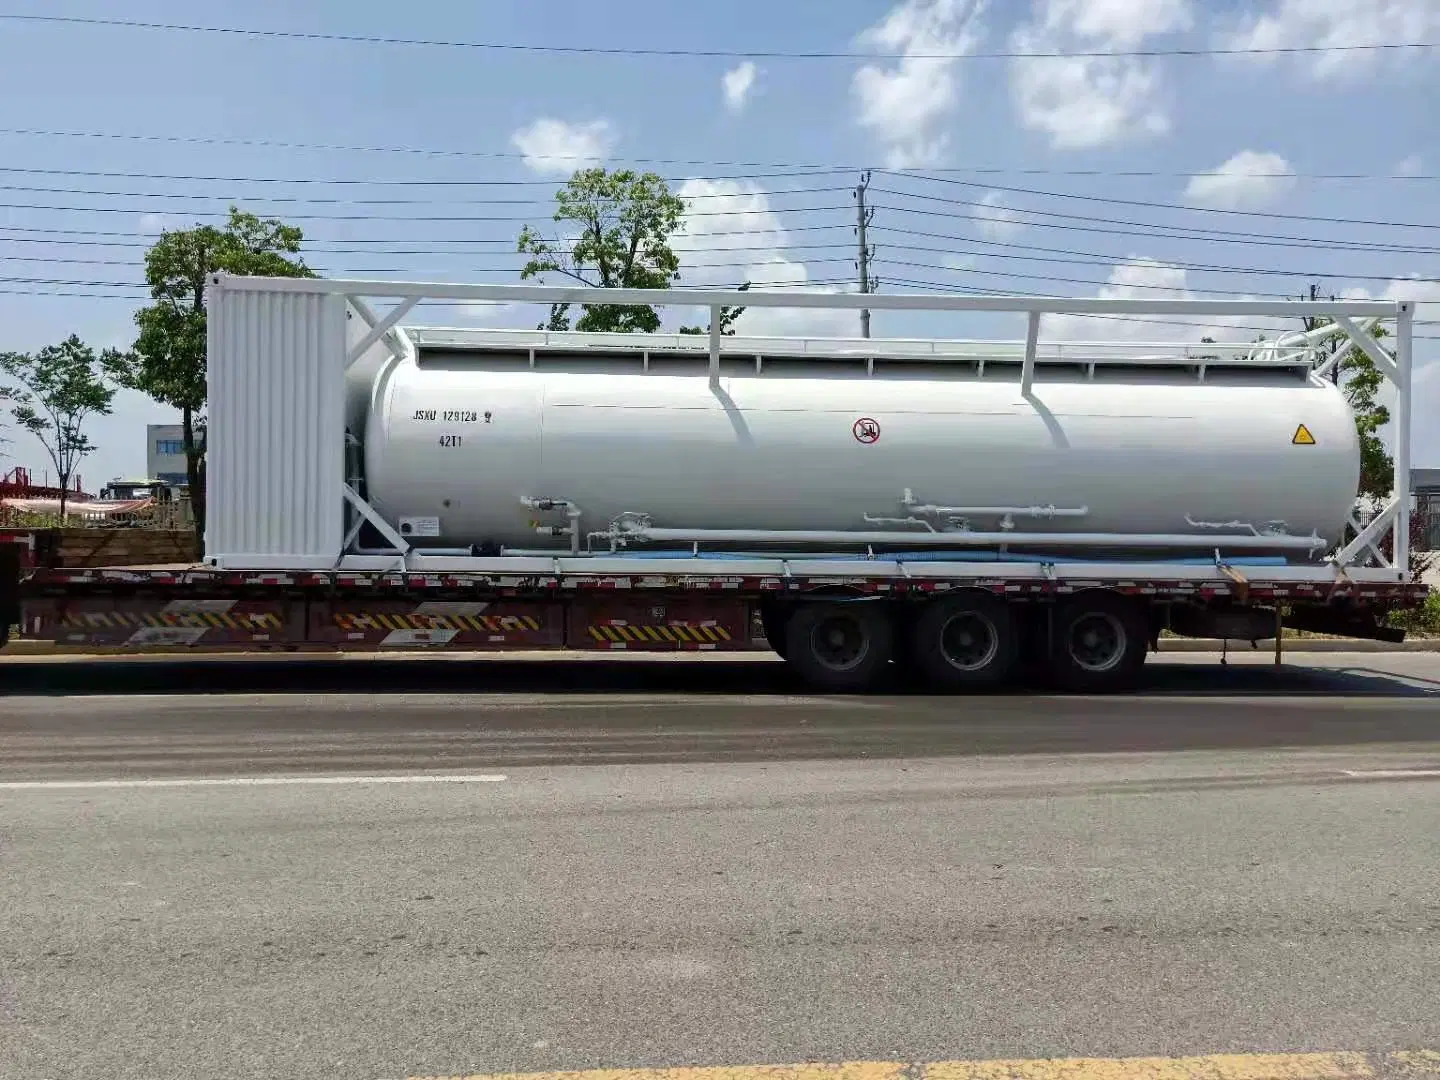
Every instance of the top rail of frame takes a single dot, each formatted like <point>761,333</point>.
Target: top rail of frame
<point>564,294</point>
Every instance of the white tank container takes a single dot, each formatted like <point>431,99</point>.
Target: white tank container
<point>464,440</point>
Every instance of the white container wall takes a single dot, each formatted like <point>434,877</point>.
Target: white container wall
<point>276,438</point>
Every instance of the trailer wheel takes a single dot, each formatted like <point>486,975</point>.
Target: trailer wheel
<point>839,646</point>
<point>966,641</point>
<point>1099,643</point>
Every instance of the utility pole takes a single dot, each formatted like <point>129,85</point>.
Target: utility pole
<point>1311,322</point>
<point>863,219</point>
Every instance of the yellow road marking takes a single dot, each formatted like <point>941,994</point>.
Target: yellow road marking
<point>852,1070</point>
<point>1216,1067</point>
<point>1407,1065</point>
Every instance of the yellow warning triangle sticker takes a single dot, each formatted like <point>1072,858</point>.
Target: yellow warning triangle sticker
<point>1303,437</point>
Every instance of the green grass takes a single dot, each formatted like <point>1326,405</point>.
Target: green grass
<point>1421,621</point>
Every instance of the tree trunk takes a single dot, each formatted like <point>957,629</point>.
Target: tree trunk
<point>64,497</point>
<point>195,478</point>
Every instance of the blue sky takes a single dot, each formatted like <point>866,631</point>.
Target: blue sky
<point>958,138</point>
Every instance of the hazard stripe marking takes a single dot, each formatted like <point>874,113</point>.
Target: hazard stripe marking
<point>173,619</point>
<point>618,630</point>
<point>480,624</point>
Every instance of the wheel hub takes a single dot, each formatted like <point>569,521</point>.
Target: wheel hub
<point>841,642</point>
<point>1097,642</point>
<point>969,641</point>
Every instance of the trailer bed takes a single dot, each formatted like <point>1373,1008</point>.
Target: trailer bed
<point>556,604</point>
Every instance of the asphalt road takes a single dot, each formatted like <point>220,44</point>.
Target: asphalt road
<point>1237,860</point>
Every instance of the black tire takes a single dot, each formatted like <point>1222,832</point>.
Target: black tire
<point>902,648</point>
<point>839,646</point>
<point>774,620</point>
<point>1099,643</point>
<point>965,642</point>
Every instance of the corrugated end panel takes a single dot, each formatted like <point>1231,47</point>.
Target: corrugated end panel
<point>276,439</point>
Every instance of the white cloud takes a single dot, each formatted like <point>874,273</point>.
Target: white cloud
<point>995,220</point>
<point>1310,23</point>
<point>740,238</point>
<point>557,147</point>
<point>1249,179</point>
<point>1142,278</point>
<point>1088,101</point>
<point>1409,166</point>
<point>906,102</point>
<point>1421,290</point>
<point>1124,24</point>
<point>496,315</point>
<point>737,84</point>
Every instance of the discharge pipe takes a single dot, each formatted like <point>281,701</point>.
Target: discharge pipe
<point>632,532</point>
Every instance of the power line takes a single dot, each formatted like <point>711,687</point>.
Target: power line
<point>383,248</point>
<point>433,253</point>
<point>429,252</point>
<point>1202,233</point>
<point>334,201</point>
<point>1091,258</point>
<point>756,54</point>
<point>152,237</point>
<point>1153,205</point>
<point>1234,293</point>
<point>784,168</point>
<point>62,287</point>
<point>411,271</point>
<point>408,182</point>
<point>1213,237</point>
<point>1179,232</point>
<point>936,286</point>
<point>445,218</point>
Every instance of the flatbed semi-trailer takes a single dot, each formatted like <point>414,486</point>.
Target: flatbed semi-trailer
<point>964,511</point>
<point>1086,631</point>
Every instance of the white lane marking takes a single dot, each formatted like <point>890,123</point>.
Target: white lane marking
<point>1393,774</point>
<point>248,781</point>
<point>498,702</point>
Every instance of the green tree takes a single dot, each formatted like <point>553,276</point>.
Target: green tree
<point>626,221</point>
<point>728,315</point>
<point>168,360</point>
<point>53,392</point>
<point>1360,381</point>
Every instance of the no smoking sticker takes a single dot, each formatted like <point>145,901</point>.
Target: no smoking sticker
<point>866,430</point>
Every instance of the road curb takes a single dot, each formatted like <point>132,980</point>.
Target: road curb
<point>1293,645</point>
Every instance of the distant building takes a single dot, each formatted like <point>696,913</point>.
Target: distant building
<point>165,454</point>
<point>1425,483</point>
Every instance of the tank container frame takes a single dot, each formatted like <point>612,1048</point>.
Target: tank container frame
<point>279,496</point>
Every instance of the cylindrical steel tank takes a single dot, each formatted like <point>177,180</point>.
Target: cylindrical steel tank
<point>465,440</point>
